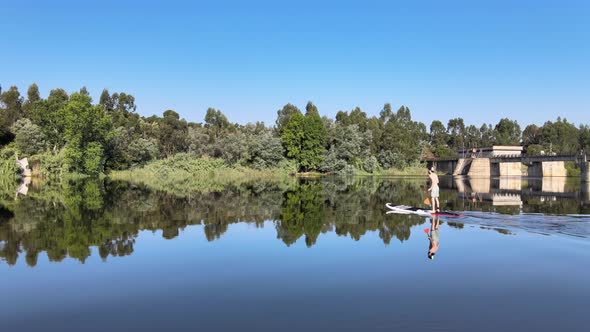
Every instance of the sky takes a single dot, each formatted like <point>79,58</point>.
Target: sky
<point>482,60</point>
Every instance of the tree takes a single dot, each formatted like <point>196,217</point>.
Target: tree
<point>531,135</point>
<point>560,137</point>
<point>438,134</point>
<point>87,131</point>
<point>46,115</point>
<point>314,139</point>
<point>402,140</point>
<point>142,150</point>
<point>12,106</point>
<point>29,138</point>
<point>106,101</point>
<point>265,150</point>
<point>472,136</point>
<point>507,132</point>
<point>585,138</point>
<point>487,135</point>
<point>173,133</point>
<point>216,121</point>
<point>439,139</point>
<point>284,116</point>
<point>456,131</point>
<point>348,143</point>
<point>292,136</point>
<point>33,97</point>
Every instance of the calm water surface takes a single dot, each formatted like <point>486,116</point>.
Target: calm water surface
<point>311,255</point>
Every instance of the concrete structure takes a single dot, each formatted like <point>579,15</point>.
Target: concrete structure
<point>24,166</point>
<point>508,161</point>
<point>491,152</point>
<point>547,168</point>
<point>585,169</point>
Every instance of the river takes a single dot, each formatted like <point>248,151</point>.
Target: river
<point>313,255</point>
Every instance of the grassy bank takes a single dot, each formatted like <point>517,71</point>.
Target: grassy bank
<point>414,170</point>
<point>183,174</point>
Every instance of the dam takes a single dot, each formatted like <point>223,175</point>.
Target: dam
<point>500,160</point>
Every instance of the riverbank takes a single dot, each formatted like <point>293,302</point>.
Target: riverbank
<point>183,174</point>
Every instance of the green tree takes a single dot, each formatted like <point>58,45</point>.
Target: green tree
<point>292,136</point>
<point>216,121</point>
<point>46,115</point>
<point>284,116</point>
<point>402,139</point>
<point>456,131</point>
<point>507,132</point>
<point>585,138</point>
<point>314,139</point>
<point>33,97</point>
<point>10,106</point>
<point>487,135</point>
<point>87,131</point>
<point>472,137</point>
<point>265,150</point>
<point>173,133</point>
<point>560,137</point>
<point>531,135</point>
<point>29,138</point>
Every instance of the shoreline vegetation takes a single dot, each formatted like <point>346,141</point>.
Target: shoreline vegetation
<point>68,135</point>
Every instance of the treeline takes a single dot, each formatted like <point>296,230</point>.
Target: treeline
<point>69,133</point>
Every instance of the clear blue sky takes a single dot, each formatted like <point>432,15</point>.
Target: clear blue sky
<point>479,60</point>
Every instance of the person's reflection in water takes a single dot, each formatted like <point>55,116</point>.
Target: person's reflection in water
<point>433,236</point>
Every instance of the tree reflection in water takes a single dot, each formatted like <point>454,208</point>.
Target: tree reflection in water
<point>68,219</point>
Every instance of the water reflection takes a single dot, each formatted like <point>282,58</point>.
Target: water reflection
<point>433,236</point>
<point>68,219</point>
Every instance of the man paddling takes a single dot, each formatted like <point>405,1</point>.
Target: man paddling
<point>434,190</point>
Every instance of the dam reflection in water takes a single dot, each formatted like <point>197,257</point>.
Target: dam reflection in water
<point>513,191</point>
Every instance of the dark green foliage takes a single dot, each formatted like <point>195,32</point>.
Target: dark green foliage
<point>507,132</point>
<point>142,150</point>
<point>531,135</point>
<point>29,138</point>
<point>11,106</point>
<point>284,116</point>
<point>71,134</point>
<point>173,133</point>
<point>402,139</point>
<point>216,121</point>
<point>585,138</point>
<point>87,130</point>
<point>456,131</point>
<point>292,135</point>
<point>314,139</point>
<point>560,137</point>
<point>487,135</point>
<point>8,168</point>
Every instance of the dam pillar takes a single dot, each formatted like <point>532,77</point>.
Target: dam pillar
<point>462,166</point>
<point>547,168</point>
<point>554,168</point>
<point>584,171</point>
<point>510,169</point>
<point>480,167</point>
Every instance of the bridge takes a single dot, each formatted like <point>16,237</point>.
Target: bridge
<point>508,161</point>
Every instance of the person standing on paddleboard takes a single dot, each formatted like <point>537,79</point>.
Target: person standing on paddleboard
<point>434,190</point>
